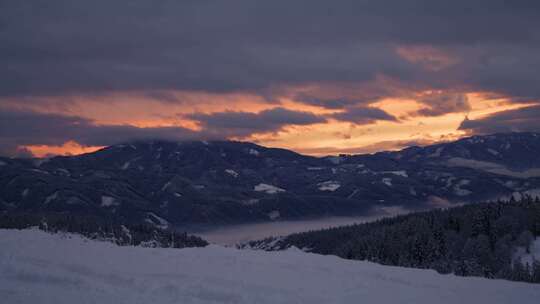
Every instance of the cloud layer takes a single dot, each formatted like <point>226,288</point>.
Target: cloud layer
<point>21,128</point>
<point>520,120</point>
<point>74,45</point>
<point>307,62</point>
<point>241,124</point>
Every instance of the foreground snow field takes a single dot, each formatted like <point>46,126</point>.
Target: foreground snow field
<point>36,267</point>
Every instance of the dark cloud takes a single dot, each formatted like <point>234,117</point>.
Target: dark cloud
<point>330,103</point>
<point>21,128</point>
<point>56,47</point>
<point>519,120</point>
<point>439,104</point>
<point>91,48</point>
<point>372,148</point>
<point>243,124</point>
<point>394,145</point>
<point>363,115</point>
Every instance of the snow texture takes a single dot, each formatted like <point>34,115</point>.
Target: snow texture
<point>36,267</point>
<point>387,181</point>
<point>126,165</point>
<point>533,193</point>
<point>460,191</point>
<point>492,151</point>
<point>232,173</point>
<point>63,171</point>
<point>254,152</point>
<point>108,201</point>
<point>402,173</point>
<point>269,189</point>
<point>51,198</point>
<point>336,160</point>
<point>274,215</point>
<point>167,185</point>
<point>529,258</point>
<point>492,167</point>
<point>40,161</point>
<point>157,221</point>
<point>437,152</point>
<point>329,186</point>
<point>250,202</point>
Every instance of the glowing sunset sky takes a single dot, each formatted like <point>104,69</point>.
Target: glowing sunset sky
<point>318,77</point>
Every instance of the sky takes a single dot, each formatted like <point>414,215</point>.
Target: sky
<point>318,77</point>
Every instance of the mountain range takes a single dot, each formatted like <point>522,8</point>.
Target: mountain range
<point>175,184</point>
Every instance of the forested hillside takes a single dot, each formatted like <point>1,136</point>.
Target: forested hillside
<point>192,183</point>
<point>473,240</point>
<point>102,229</point>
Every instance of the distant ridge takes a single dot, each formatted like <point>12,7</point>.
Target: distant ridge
<point>170,184</point>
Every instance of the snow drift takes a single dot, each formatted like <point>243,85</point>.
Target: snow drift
<point>36,267</point>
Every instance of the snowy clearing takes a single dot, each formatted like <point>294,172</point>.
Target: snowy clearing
<point>125,166</point>
<point>36,267</point>
<point>51,198</point>
<point>167,185</point>
<point>398,173</point>
<point>437,152</point>
<point>492,167</point>
<point>274,215</point>
<point>232,172</point>
<point>269,189</point>
<point>336,160</point>
<point>528,258</point>
<point>329,186</point>
<point>387,181</point>
<point>157,221</point>
<point>254,152</point>
<point>494,152</point>
<point>460,191</point>
<point>108,201</point>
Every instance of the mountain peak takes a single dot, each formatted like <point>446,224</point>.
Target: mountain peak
<point>230,182</point>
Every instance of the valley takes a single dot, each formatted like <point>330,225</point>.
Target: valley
<point>231,235</point>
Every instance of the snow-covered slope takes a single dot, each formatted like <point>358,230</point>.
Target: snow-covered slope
<point>214,183</point>
<point>533,255</point>
<point>36,267</point>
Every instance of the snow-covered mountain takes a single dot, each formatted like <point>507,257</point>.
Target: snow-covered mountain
<point>221,182</point>
<point>36,267</point>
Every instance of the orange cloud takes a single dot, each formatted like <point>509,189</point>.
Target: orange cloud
<point>68,148</point>
<point>159,110</point>
<point>429,57</point>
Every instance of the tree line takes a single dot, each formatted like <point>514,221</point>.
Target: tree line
<point>98,228</point>
<point>473,240</point>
